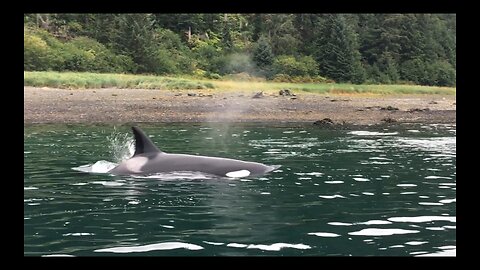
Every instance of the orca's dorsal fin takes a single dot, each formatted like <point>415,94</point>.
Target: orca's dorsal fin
<point>143,144</point>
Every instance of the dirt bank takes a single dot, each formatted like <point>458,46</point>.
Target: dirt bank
<point>48,105</point>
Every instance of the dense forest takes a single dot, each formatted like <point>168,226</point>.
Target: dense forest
<point>356,48</point>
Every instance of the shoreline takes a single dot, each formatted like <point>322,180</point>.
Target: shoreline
<point>113,105</point>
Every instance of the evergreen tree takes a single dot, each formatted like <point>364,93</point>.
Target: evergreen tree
<point>262,54</point>
<point>337,52</point>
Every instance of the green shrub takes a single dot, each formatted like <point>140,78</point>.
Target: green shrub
<point>289,65</point>
<point>37,55</point>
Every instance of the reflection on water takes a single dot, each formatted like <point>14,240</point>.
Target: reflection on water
<point>365,191</point>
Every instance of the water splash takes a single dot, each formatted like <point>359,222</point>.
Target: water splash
<point>121,145</point>
<point>101,166</point>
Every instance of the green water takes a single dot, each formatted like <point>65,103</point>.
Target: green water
<point>362,191</point>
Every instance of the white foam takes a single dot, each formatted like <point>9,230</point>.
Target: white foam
<point>418,252</point>
<point>167,226</point>
<point>324,234</point>
<point>381,232</point>
<point>79,184</point>
<point>333,182</point>
<point>331,197</point>
<point>447,247</point>
<point>408,193</point>
<point>237,245</point>
<point>145,248</point>
<point>380,158</point>
<point>133,202</point>
<point>278,246</point>
<point>339,224</point>
<point>375,222</point>
<point>448,200</point>
<point>435,228</point>
<point>368,193</point>
<point>317,174</point>
<point>443,253</point>
<point>237,174</point>
<point>108,183</point>
<point>430,203</point>
<point>437,177</point>
<point>371,133</point>
<point>406,185</point>
<point>213,243</point>
<point>29,188</point>
<point>265,193</point>
<point>359,179</point>
<point>77,234</point>
<point>423,219</point>
<point>396,246</point>
<point>58,255</point>
<point>415,243</point>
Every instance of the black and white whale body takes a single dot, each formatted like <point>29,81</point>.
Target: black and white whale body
<point>148,159</point>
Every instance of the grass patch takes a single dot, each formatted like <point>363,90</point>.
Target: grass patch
<point>79,80</point>
<point>84,80</point>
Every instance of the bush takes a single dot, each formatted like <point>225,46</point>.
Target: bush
<point>439,73</point>
<point>442,73</point>
<point>37,55</point>
<point>103,59</point>
<point>42,51</point>
<point>289,65</point>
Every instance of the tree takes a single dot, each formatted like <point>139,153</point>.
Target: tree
<point>337,51</point>
<point>262,53</point>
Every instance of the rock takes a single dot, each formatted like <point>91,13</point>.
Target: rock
<point>325,122</point>
<point>285,92</point>
<point>259,95</point>
<point>433,102</point>
<point>293,98</point>
<point>192,94</point>
<point>178,94</point>
<point>418,110</point>
<point>388,120</point>
<point>389,108</point>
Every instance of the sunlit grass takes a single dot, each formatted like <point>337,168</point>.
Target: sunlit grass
<point>84,80</point>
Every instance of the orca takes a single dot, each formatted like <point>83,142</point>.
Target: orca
<point>148,160</point>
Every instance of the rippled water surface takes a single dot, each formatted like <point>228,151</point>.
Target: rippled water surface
<point>361,191</point>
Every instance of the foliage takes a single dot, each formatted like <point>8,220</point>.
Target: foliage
<point>289,65</point>
<point>357,48</point>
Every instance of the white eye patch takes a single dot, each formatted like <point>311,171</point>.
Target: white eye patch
<point>236,174</point>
